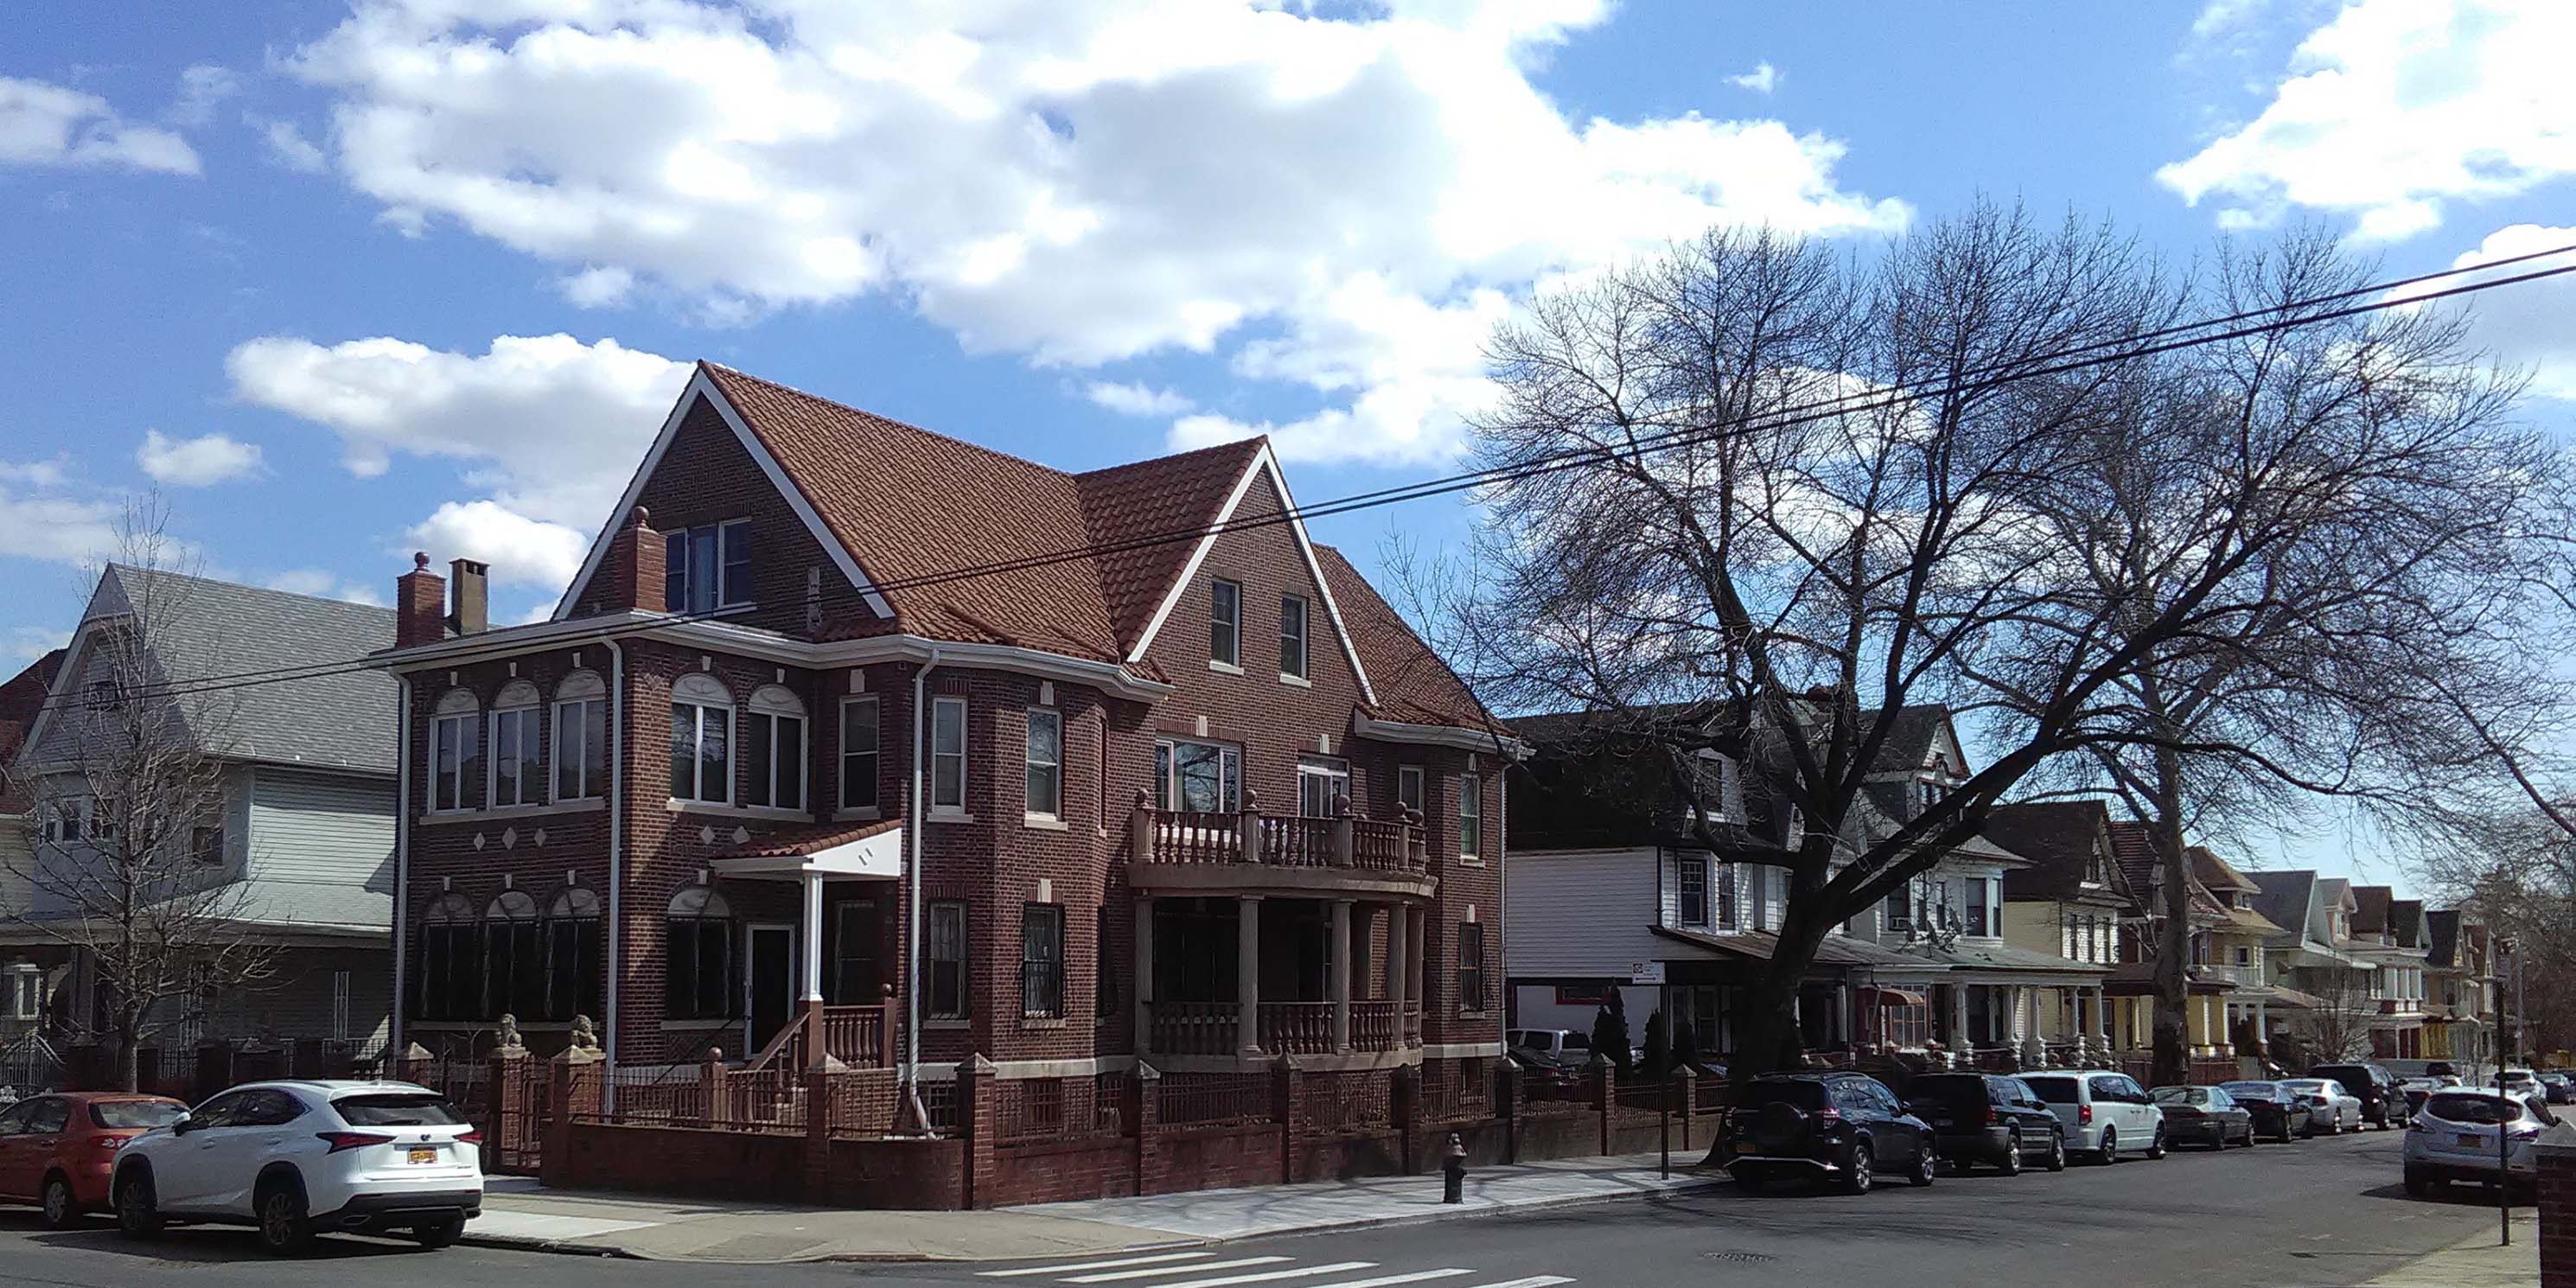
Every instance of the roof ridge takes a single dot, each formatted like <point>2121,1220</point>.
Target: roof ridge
<point>1232,444</point>
<point>253,587</point>
<point>883,419</point>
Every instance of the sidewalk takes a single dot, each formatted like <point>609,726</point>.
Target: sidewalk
<point>2477,1263</point>
<point>521,1213</point>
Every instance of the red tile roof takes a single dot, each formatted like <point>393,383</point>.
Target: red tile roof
<point>794,842</point>
<point>1413,684</point>
<point>20,699</point>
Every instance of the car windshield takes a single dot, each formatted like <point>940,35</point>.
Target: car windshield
<point>2055,1091</point>
<point>2181,1095</point>
<point>2483,1111</point>
<point>398,1109</point>
<point>119,1115</point>
<point>1804,1095</point>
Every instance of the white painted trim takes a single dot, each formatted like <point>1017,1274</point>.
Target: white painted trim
<point>1367,726</point>
<point>1008,1070</point>
<point>700,386</point>
<point>1265,461</point>
<point>1460,1050</point>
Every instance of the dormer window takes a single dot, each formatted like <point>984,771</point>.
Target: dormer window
<point>707,567</point>
<point>1712,783</point>
<point>1928,793</point>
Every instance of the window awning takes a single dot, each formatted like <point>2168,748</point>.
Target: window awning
<point>873,851</point>
<point>1901,997</point>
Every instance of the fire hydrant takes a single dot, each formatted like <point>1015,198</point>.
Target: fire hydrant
<point>1453,1171</point>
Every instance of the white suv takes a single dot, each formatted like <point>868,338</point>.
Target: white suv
<point>294,1158</point>
<point>2104,1112</point>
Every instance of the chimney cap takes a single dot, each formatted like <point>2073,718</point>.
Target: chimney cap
<point>420,561</point>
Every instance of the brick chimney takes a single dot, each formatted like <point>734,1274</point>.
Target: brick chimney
<point>420,604</point>
<point>631,575</point>
<point>471,597</point>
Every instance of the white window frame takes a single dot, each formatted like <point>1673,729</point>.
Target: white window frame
<point>26,993</point>
<point>777,704</point>
<point>457,711</point>
<point>1333,772</point>
<point>1471,818</point>
<point>1684,867</point>
<point>1305,631</point>
<point>1029,761</point>
<point>1233,628</point>
<point>698,707</point>
<point>1723,808</point>
<point>1167,767</point>
<point>874,753</point>
<point>1412,787</point>
<point>939,709</point>
<point>724,529</point>
<point>582,697</point>
<point>524,710</point>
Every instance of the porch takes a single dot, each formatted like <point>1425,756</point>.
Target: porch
<point>1222,982</point>
<point>785,1010</point>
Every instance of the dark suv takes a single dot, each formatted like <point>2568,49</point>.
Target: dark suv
<point>1841,1128</point>
<point>1988,1118</point>
<point>2382,1100</point>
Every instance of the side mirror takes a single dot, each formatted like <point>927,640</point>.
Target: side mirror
<point>182,1125</point>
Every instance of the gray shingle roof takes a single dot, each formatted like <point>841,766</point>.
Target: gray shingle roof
<point>2285,897</point>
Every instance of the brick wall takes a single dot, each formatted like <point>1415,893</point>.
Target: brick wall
<point>2557,1164</point>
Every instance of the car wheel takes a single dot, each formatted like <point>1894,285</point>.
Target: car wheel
<point>439,1233</point>
<point>59,1208</point>
<point>2110,1151</point>
<point>1748,1179</point>
<point>1925,1160</point>
<point>285,1228</point>
<point>138,1208</point>
<point>2156,1145</point>
<point>2011,1164</point>
<point>1856,1177</point>
<point>2057,1151</point>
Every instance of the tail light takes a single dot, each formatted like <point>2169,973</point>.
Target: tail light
<point>2083,1114</point>
<point>1989,1116</point>
<point>474,1137</point>
<point>1828,1114</point>
<point>2418,1124</point>
<point>341,1140</point>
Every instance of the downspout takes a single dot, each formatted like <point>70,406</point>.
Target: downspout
<point>616,856</point>
<point>402,861</point>
<point>912,893</point>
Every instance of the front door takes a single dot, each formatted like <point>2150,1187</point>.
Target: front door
<point>768,984</point>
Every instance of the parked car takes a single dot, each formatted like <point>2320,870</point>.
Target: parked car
<point>2454,1139</point>
<point>2331,1109</point>
<point>1841,1128</point>
<point>1987,1118</point>
<point>2279,1112</point>
<point>2103,1113</point>
<point>1564,1048</point>
<point>2515,1081</point>
<point>55,1151</point>
<point>2382,1103</point>
<point>294,1158</point>
<point>2416,1089</point>
<point>2205,1114</point>
<point>2560,1087</point>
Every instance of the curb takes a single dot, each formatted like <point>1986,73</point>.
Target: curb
<point>1686,1182</point>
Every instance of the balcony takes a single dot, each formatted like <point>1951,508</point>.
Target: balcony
<point>1231,852</point>
<point>1226,982</point>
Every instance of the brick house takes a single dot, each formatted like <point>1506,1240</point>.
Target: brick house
<point>1162,780</point>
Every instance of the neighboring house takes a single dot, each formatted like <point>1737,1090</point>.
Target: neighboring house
<point>2233,950</point>
<point>1190,793</point>
<point>2320,987</point>
<point>2459,970</point>
<point>305,846</point>
<point>25,985</point>
<point>2071,899</point>
<point>2390,934</point>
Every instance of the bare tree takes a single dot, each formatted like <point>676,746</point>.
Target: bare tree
<point>2338,1028</point>
<point>130,792</point>
<point>2517,875</point>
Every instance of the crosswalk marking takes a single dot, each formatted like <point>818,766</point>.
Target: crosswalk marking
<point>1534,1281</point>
<point>1293,1272</point>
<point>1091,1265</point>
<point>1388,1281</point>
<point>1116,1275</point>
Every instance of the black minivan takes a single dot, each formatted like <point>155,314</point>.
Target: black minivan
<point>1988,1118</point>
<point>2382,1100</point>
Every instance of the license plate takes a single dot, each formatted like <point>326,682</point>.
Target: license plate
<point>2473,1141</point>
<point>424,1156</point>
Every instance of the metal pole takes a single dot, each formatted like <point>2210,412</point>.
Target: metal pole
<point>2504,1176</point>
<point>1664,1128</point>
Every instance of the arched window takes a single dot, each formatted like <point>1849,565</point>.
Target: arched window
<point>701,740</point>
<point>773,749</point>
<point>581,737</point>
<point>518,759</point>
<point>450,973</point>
<point>455,751</point>
<point>572,954</point>
<point>514,959</point>
<point>697,956</point>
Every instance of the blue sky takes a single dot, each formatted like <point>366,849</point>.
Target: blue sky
<point>349,281</point>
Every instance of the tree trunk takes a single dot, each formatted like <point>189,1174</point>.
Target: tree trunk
<point>2173,939</point>
<point>1766,1027</point>
<point>129,1053</point>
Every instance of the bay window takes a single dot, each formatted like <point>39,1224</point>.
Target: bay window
<point>518,757</point>
<point>701,740</point>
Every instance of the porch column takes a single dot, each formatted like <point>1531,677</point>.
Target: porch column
<point>1247,974</point>
<point>1959,1016</point>
<point>1398,919</point>
<point>1144,974</point>
<point>2098,1031</point>
<point>1413,989</point>
<point>812,997</point>
<point>1340,983</point>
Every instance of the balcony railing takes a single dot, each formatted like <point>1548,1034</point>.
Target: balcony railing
<point>1278,840</point>
<point>1374,1025</point>
<point>1296,1028</point>
<point>1194,1028</point>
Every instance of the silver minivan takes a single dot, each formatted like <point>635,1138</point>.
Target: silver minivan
<point>2105,1113</point>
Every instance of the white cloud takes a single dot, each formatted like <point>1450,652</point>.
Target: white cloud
<point>325,584</point>
<point>2532,325</point>
<point>42,474</point>
<point>201,87</point>
<point>56,529</point>
<point>549,426</point>
<point>2396,107</point>
<point>1137,399</point>
<point>288,147</point>
<point>1076,181</point>
<point>197,462</point>
<point>1763,79</point>
<point>48,125</point>
<point>21,645</point>
<point>599,288</point>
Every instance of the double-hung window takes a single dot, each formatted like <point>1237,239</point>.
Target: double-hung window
<point>1197,777</point>
<point>1471,815</point>
<point>581,737</point>
<point>1471,966</point>
<point>707,567</point>
<point>948,755</point>
<point>773,730</point>
<point>456,756</point>
<point>1729,915</point>
<point>701,740</point>
<point>1691,886</point>
<point>518,757</point>
<point>1225,622</point>
<point>1899,911</point>
<point>859,753</point>
<point>1408,787</point>
<point>1976,907</point>
<point>1045,758</point>
<point>944,959</point>
<point>1042,961</point>
<point>1292,636</point>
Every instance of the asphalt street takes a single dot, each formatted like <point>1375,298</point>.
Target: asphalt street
<point>2321,1212</point>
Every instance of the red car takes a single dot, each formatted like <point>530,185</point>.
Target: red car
<point>56,1151</point>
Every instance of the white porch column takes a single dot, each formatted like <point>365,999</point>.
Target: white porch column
<point>1339,985</point>
<point>1247,974</point>
<point>813,944</point>
<point>2098,1031</point>
<point>1959,1016</point>
<point>1144,955</point>
<point>1398,970</point>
